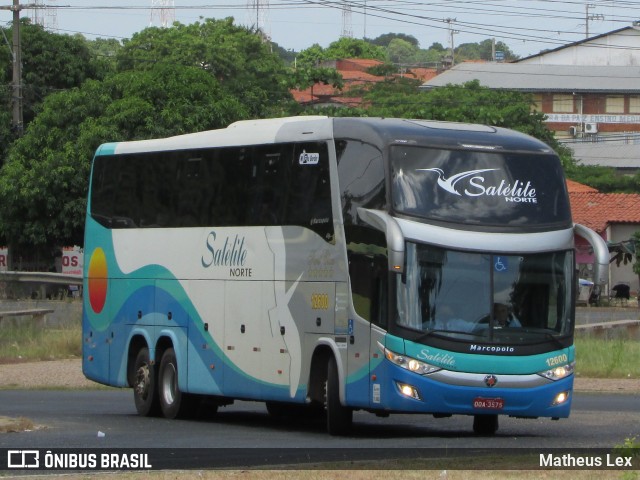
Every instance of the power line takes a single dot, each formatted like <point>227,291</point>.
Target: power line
<point>413,13</point>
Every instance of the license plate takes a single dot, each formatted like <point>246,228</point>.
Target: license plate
<point>488,403</point>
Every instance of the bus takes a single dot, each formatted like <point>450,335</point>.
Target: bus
<point>329,265</point>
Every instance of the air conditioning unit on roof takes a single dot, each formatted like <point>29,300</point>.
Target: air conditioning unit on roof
<point>590,128</point>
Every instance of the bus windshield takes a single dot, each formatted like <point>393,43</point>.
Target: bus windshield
<point>488,188</point>
<point>485,297</point>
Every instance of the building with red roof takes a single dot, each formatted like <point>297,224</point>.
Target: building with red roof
<point>356,76</point>
<point>616,217</point>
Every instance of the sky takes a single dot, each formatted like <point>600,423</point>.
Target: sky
<point>525,26</point>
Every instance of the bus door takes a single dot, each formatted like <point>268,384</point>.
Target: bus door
<point>368,279</point>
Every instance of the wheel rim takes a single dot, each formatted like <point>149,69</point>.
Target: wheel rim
<point>169,377</point>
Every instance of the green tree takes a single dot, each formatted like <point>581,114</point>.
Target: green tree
<point>470,103</point>
<point>354,48</point>
<point>635,240</point>
<point>401,51</point>
<point>238,58</point>
<point>50,63</point>
<point>385,39</point>
<point>305,77</point>
<point>43,185</point>
<point>104,52</point>
<point>312,56</point>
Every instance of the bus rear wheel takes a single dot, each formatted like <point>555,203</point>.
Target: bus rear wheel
<point>485,424</point>
<point>143,382</point>
<point>339,417</point>
<point>173,402</point>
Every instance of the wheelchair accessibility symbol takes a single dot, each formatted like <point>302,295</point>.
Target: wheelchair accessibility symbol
<point>501,264</point>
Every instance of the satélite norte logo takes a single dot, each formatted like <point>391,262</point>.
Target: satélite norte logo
<point>475,185</point>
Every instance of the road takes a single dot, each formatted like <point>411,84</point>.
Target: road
<point>73,419</point>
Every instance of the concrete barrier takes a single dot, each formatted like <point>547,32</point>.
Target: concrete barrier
<point>38,315</point>
<point>612,329</point>
<point>60,312</point>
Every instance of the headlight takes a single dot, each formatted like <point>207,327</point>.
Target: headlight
<point>408,363</point>
<point>558,373</point>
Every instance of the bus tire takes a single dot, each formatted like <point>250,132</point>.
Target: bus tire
<point>173,402</point>
<point>145,394</point>
<point>485,424</point>
<point>339,417</point>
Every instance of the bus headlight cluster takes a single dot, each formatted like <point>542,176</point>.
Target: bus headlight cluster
<point>411,364</point>
<point>558,373</point>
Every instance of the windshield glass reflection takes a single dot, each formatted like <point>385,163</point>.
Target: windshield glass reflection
<point>462,294</point>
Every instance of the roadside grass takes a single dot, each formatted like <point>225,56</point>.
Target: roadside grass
<point>596,357</point>
<point>607,358</point>
<point>28,341</point>
<point>23,342</point>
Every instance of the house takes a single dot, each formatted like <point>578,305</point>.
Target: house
<point>615,48</point>
<point>588,91</point>
<point>615,216</point>
<point>589,102</point>
<point>356,76</point>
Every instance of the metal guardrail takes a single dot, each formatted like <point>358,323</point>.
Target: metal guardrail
<point>41,277</point>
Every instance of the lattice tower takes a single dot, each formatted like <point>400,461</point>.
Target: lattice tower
<point>347,28</point>
<point>47,16</point>
<point>163,13</point>
<point>258,18</point>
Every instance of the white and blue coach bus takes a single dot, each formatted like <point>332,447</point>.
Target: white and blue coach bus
<point>384,265</point>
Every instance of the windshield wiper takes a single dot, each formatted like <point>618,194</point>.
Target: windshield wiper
<point>540,331</point>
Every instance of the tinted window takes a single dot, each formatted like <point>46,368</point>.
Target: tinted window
<point>361,174</point>
<point>479,188</point>
<point>286,184</point>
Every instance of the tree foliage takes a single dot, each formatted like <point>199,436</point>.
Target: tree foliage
<point>50,63</point>
<point>239,59</point>
<point>343,48</point>
<point>386,39</point>
<point>43,184</point>
<point>483,51</point>
<point>470,103</point>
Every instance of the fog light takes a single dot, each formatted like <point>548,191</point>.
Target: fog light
<point>561,398</point>
<point>409,391</point>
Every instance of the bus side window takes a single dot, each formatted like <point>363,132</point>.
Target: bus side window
<point>369,287</point>
<point>269,184</point>
<point>309,190</point>
<point>368,272</point>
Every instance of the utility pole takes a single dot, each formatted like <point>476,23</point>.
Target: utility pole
<point>16,53</point>
<point>588,17</point>
<point>452,32</point>
<point>16,98</point>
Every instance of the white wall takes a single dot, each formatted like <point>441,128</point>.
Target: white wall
<point>619,49</point>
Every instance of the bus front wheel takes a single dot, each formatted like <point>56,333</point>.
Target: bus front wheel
<point>485,424</point>
<point>339,417</point>
<point>173,402</point>
<point>145,394</point>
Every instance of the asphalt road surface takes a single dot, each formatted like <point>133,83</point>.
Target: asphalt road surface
<point>107,419</point>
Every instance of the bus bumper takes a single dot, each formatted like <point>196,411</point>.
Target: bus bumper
<point>408,392</point>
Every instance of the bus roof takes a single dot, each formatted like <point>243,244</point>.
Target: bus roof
<point>314,128</point>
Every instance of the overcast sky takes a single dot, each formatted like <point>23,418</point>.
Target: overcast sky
<point>526,26</point>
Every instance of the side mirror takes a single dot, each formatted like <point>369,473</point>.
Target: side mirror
<point>601,252</point>
<point>384,222</point>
